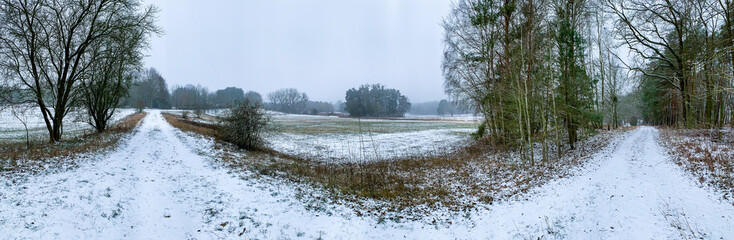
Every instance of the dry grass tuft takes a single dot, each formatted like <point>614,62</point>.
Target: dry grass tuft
<point>128,123</point>
<point>192,126</point>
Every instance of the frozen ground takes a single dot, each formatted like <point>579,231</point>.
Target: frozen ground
<point>368,146</point>
<point>335,139</point>
<point>155,187</point>
<point>352,140</point>
<point>12,129</point>
<point>447,117</point>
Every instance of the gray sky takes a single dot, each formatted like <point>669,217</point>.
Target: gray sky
<point>321,47</point>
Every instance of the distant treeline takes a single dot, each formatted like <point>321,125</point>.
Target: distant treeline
<point>290,100</point>
<point>376,101</point>
<point>443,107</point>
<point>150,90</point>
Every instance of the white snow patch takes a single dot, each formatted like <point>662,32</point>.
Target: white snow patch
<point>368,146</point>
<point>74,123</point>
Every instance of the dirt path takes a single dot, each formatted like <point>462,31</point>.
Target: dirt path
<point>155,187</point>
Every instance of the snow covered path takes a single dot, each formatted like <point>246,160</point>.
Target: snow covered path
<point>155,187</point>
<point>634,192</point>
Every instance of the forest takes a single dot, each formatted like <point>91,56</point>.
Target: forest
<point>548,70</point>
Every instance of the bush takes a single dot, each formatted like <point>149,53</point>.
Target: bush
<point>245,125</point>
<point>139,106</point>
<point>480,131</point>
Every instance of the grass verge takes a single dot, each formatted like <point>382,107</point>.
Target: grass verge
<point>408,188</point>
<point>41,155</point>
<point>707,154</point>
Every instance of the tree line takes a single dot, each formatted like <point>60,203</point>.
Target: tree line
<point>198,97</point>
<point>548,70</point>
<point>442,107</point>
<point>150,90</point>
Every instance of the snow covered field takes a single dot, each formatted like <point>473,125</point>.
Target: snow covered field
<point>353,140</point>
<point>75,123</point>
<point>155,186</point>
<point>455,117</point>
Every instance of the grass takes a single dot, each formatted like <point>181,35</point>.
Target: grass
<point>706,154</point>
<point>192,126</point>
<point>414,185</point>
<point>43,155</point>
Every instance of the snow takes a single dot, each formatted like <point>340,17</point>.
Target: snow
<point>156,186</point>
<point>368,146</point>
<point>335,139</point>
<point>634,192</point>
<point>455,117</point>
<point>74,123</point>
<point>705,154</point>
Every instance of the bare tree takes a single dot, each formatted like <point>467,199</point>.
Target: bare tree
<point>118,57</point>
<point>470,64</point>
<point>660,31</point>
<point>20,112</point>
<point>288,100</point>
<point>47,45</point>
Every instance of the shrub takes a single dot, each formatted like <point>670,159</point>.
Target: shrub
<point>139,106</point>
<point>245,125</point>
<point>480,131</point>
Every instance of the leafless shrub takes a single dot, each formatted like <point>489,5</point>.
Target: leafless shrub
<point>244,125</point>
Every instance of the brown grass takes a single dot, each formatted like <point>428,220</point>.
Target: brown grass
<point>456,180</point>
<point>192,126</point>
<point>706,154</point>
<point>42,154</point>
<point>128,123</point>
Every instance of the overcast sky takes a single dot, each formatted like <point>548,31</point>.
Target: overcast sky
<point>321,47</point>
